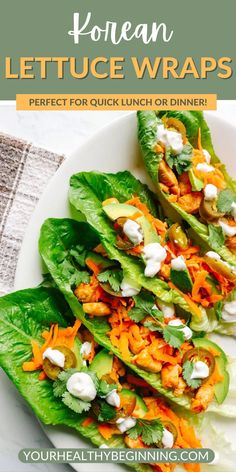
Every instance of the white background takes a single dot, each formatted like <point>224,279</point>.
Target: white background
<point>60,132</point>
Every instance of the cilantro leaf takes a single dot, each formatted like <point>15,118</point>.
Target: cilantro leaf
<point>144,303</point>
<point>153,326</point>
<point>113,277</point>
<point>173,335</point>
<point>181,162</point>
<point>157,314</point>
<point>135,432</point>
<point>59,388</point>
<point>75,404</point>
<point>136,314</point>
<point>151,432</point>
<point>73,276</point>
<point>82,277</point>
<point>170,159</point>
<point>106,412</point>
<point>105,388</point>
<point>79,253</point>
<point>225,199</point>
<point>187,372</point>
<point>144,300</point>
<point>216,236</point>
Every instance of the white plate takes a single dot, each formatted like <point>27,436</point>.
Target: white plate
<point>112,149</point>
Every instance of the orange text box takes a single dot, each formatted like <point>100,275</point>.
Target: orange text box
<point>39,102</point>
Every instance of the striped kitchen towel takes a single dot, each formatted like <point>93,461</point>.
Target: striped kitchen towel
<point>24,173</point>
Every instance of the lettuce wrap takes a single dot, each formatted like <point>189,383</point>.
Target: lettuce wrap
<point>26,321</point>
<point>89,191</point>
<point>66,248</point>
<point>23,317</point>
<point>181,168</point>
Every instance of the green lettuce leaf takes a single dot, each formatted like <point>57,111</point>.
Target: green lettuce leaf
<point>53,238</point>
<point>23,317</point>
<point>55,242</point>
<point>87,192</point>
<point>193,120</point>
<point>222,326</point>
<point>210,320</point>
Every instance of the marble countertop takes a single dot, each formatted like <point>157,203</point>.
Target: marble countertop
<point>60,132</point>
<point>63,132</point>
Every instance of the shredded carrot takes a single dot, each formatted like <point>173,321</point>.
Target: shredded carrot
<point>88,422</point>
<point>37,354</point>
<point>158,224</point>
<point>114,339</point>
<point>199,140</point>
<point>106,430</point>
<point>159,149</point>
<point>135,201</point>
<point>48,337</point>
<point>54,337</point>
<point>198,158</point>
<point>159,356</point>
<point>188,432</point>
<point>217,180</point>
<point>28,366</point>
<point>196,310</point>
<point>124,347</point>
<point>92,266</point>
<point>215,298</point>
<point>42,375</point>
<point>199,283</point>
<point>137,250</point>
<point>190,251</point>
<point>192,467</point>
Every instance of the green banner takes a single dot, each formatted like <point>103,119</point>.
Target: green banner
<point>117,456</point>
<point>130,46</point>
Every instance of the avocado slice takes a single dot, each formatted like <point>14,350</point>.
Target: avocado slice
<point>221,388</point>
<point>149,234</point>
<point>182,280</point>
<point>102,363</point>
<point>197,184</point>
<point>141,408</point>
<point>122,210</point>
<point>76,350</point>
